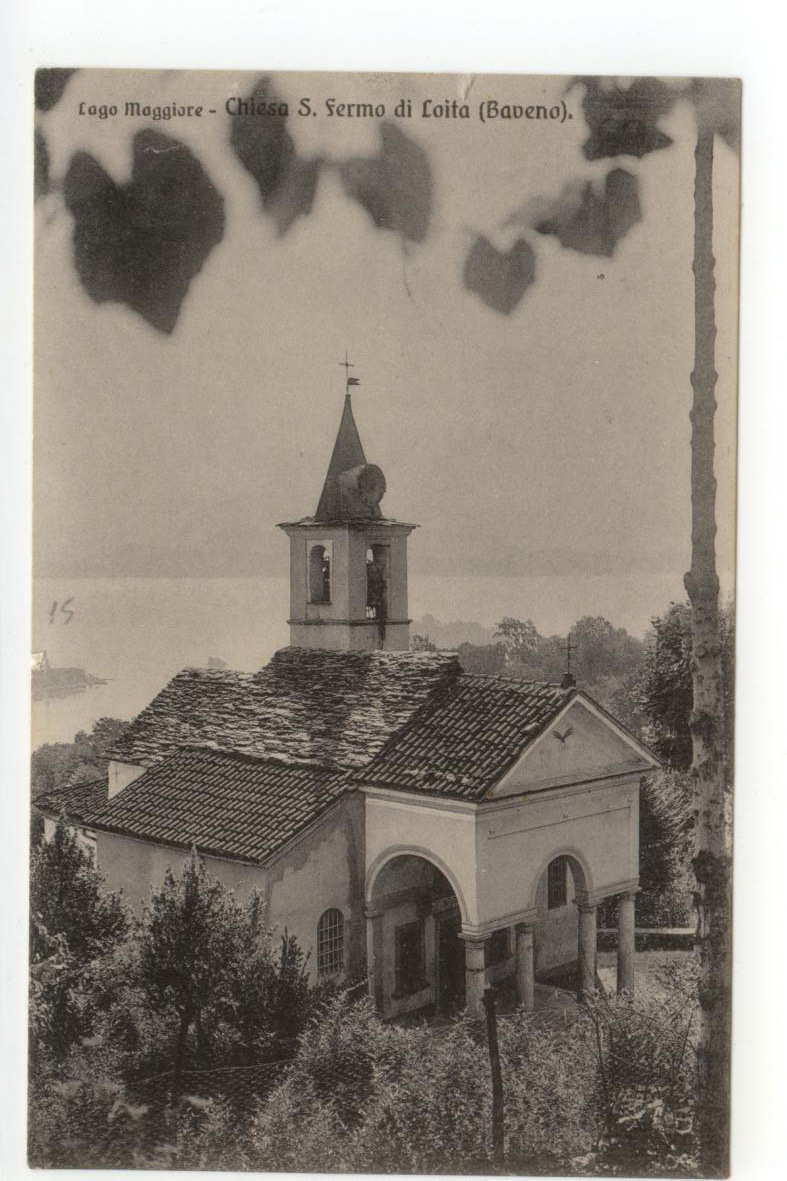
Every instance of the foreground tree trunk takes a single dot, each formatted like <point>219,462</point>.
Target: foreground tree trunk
<point>712,864</point>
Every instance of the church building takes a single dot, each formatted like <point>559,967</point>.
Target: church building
<point>435,831</point>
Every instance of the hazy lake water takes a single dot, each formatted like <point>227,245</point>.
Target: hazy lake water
<point>138,632</point>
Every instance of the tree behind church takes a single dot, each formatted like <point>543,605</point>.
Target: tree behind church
<point>74,924</point>
<point>204,965</point>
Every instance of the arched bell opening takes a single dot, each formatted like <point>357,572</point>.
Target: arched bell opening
<point>416,955</point>
<point>319,574</point>
<point>377,574</point>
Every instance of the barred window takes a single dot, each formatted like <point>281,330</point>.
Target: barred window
<point>557,894</point>
<point>330,943</point>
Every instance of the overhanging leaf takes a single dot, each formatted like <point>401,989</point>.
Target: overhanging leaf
<point>500,278</point>
<point>395,186</point>
<point>142,243</point>
<point>623,120</point>
<point>49,86</point>
<point>590,222</point>
<point>266,150</point>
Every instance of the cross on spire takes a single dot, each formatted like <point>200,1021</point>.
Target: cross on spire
<point>568,677</point>
<point>347,365</point>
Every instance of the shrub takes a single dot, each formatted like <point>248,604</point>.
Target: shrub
<point>430,1111</point>
<point>647,1069</point>
<point>551,1083</point>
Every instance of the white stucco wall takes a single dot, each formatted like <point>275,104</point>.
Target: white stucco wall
<point>495,853</point>
<point>556,931</point>
<point>138,868</point>
<point>598,824</point>
<point>119,775</point>
<point>323,869</point>
<point>441,831</point>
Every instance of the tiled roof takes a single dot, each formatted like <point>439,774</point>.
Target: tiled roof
<point>225,804</point>
<point>329,708</point>
<point>74,799</point>
<point>467,737</point>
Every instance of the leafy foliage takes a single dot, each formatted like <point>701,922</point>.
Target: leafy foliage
<point>483,658</point>
<point>67,899</point>
<point>395,186</point>
<point>623,120</point>
<point>367,1097</point>
<point>665,835</point>
<point>500,278</point>
<point>645,1056</point>
<point>142,243</point>
<point>56,764</point>
<point>49,86</point>
<point>592,222</point>
<point>73,924</point>
<point>553,1113</point>
<point>287,184</point>
<point>520,635</point>
<point>204,966</point>
<point>664,686</point>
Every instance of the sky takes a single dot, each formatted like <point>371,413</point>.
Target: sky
<point>553,441</point>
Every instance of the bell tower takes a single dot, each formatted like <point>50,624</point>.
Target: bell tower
<point>348,563</point>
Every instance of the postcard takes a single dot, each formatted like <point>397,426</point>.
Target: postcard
<point>383,622</point>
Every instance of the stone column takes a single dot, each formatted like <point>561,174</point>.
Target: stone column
<point>475,975</point>
<point>587,947</point>
<point>376,959</point>
<point>525,979</point>
<point>626,943</point>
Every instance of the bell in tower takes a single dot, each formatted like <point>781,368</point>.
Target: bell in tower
<point>348,563</point>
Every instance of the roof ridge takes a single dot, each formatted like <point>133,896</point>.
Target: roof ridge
<point>520,681</point>
<point>244,756</point>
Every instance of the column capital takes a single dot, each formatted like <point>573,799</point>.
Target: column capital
<point>594,897</point>
<point>584,905</point>
<point>525,928</point>
<point>372,912</point>
<point>474,937</point>
<point>486,929</point>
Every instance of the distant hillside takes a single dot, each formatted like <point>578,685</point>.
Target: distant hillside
<point>451,635</point>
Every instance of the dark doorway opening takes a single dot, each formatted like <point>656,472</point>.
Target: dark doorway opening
<point>450,964</point>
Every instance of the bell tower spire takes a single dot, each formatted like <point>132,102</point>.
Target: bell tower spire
<point>348,563</point>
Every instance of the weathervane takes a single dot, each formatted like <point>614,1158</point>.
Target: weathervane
<point>347,365</point>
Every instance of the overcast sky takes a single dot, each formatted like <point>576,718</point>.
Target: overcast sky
<point>552,440</point>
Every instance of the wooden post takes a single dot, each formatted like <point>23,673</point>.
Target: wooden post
<point>498,1119</point>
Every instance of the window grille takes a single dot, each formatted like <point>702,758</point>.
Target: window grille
<point>557,894</point>
<point>330,943</point>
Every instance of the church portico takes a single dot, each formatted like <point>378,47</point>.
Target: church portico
<point>414,922</point>
<point>526,875</point>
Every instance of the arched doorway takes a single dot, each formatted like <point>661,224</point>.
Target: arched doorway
<point>417,956</point>
<point>556,932</point>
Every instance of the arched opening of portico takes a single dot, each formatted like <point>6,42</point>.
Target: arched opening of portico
<point>416,954</point>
